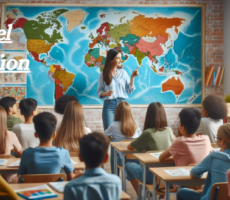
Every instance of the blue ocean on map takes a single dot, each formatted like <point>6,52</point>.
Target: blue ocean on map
<point>181,59</point>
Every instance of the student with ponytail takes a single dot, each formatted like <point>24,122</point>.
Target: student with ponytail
<point>216,164</point>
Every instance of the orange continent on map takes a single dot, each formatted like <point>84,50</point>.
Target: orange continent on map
<point>174,85</point>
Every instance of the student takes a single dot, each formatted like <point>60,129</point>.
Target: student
<point>216,164</point>
<point>189,148</point>
<point>9,103</point>
<point>156,136</point>
<point>61,104</point>
<point>6,191</point>
<point>72,128</point>
<point>124,127</point>
<point>25,131</point>
<point>95,183</point>
<point>228,177</point>
<point>46,159</point>
<point>214,110</point>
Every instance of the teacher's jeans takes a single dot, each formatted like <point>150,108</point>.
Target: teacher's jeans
<point>108,114</point>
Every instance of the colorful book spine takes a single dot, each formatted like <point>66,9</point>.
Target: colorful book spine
<point>213,80</point>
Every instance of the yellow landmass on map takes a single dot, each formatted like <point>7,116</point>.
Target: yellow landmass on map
<point>65,77</point>
<point>38,46</point>
<point>74,17</point>
<point>18,58</point>
<point>52,69</point>
<point>142,26</point>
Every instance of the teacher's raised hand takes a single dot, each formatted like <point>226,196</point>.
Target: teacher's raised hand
<point>135,73</point>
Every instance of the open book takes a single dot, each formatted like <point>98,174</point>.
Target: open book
<point>156,155</point>
<point>58,186</point>
<point>178,172</point>
<point>39,192</point>
<point>3,162</point>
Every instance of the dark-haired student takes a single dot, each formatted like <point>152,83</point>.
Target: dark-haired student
<point>60,106</point>
<point>216,164</point>
<point>95,183</point>
<point>156,136</point>
<point>46,159</point>
<point>9,104</point>
<point>189,148</point>
<point>214,110</point>
<point>25,131</point>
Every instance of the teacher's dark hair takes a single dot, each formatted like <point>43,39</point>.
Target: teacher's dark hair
<point>155,117</point>
<point>107,71</point>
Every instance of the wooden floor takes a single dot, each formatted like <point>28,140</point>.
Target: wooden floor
<point>130,189</point>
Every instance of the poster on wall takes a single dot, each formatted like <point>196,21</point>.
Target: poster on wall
<point>17,92</point>
<point>67,46</point>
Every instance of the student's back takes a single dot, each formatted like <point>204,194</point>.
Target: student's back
<point>45,160</point>
<point>213,111</point>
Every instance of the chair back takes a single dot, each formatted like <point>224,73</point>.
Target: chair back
<point>220,191</point>
<point>41,178</point>
<point>74,153</point>
<point>6,156</point>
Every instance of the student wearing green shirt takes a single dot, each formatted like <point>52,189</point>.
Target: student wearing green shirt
<point>156,136</point>
<point>9,104</point>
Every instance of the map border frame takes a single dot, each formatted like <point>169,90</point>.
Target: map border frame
<point>203,10</point>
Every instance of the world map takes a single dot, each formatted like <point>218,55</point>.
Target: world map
<point>67,48</point>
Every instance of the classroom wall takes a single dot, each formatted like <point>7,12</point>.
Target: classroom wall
<point>213,48</point>
<point>226,46</point>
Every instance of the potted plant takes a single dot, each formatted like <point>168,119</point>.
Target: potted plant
<point>227,100</point>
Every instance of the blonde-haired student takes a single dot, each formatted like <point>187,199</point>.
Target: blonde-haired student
<point>189,148</point>
<point>216,164</point>
<point>214,110</point>
<point>156,136</point>
<point>6,192</point>
<point>8,143</point>
<point>124,127</point>
<point>72,127</point>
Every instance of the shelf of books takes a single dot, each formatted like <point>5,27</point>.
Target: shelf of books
<point>214,77</point>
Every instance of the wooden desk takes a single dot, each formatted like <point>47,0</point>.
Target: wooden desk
<point>148,160</point>
<point>122,148</point>
<point>6,169</point>
<point>177,180</point>
<point>124,196</point>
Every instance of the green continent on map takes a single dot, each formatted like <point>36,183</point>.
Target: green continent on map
<point>139,56</point>
<point>35,29</point>
<point>95,53</point>
<point>130,39</point>
<point>118,31</point>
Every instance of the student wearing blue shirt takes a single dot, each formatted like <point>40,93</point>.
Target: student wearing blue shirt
<point>113,85</point>
<point>216,164</point>
<point>46,159</point>
<point>95,183</point>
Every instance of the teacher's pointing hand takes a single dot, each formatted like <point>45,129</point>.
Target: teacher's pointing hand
<point>135,73</point>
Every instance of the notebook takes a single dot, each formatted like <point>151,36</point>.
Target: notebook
<point>73,162</point>
<point>15,164</point>
<point>156,155</point>
<point>178,172</point>
<point>39,192</point>
<point>58,186</point>
<point>3,162</point>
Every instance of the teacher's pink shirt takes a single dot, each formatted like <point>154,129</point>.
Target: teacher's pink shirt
<point>228,177</point>
<point>187,151</point>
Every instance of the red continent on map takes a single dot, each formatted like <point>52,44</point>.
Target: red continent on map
<point>18,23</point>
<point>154,48</point>
<point>173,84</point>
<point>36,57</point>
<point>104,27</point>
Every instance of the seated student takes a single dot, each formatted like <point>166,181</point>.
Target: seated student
<point>61,104</point>
<point>95,183</point>
<point>9,103</point>
<point>216,164</point>
<point>156,136</point>
<point>72,127</point>
<point>228,177</point>
<point>46,159</point>
<point>8,143</point>
<point>214,110</point>
<point>6,192</point>
<point>189,148</point>
<point>25,131</point>
<point>124,127</point>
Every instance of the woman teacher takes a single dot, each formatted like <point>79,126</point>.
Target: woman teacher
<point>113,85</point>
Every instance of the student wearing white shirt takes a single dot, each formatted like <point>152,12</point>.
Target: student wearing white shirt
<point>214,110</point>
<point>25,131</point>
<point>72,127</point>
<point>124,127</point>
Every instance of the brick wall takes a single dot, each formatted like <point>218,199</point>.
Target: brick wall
<point>214,40</point>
